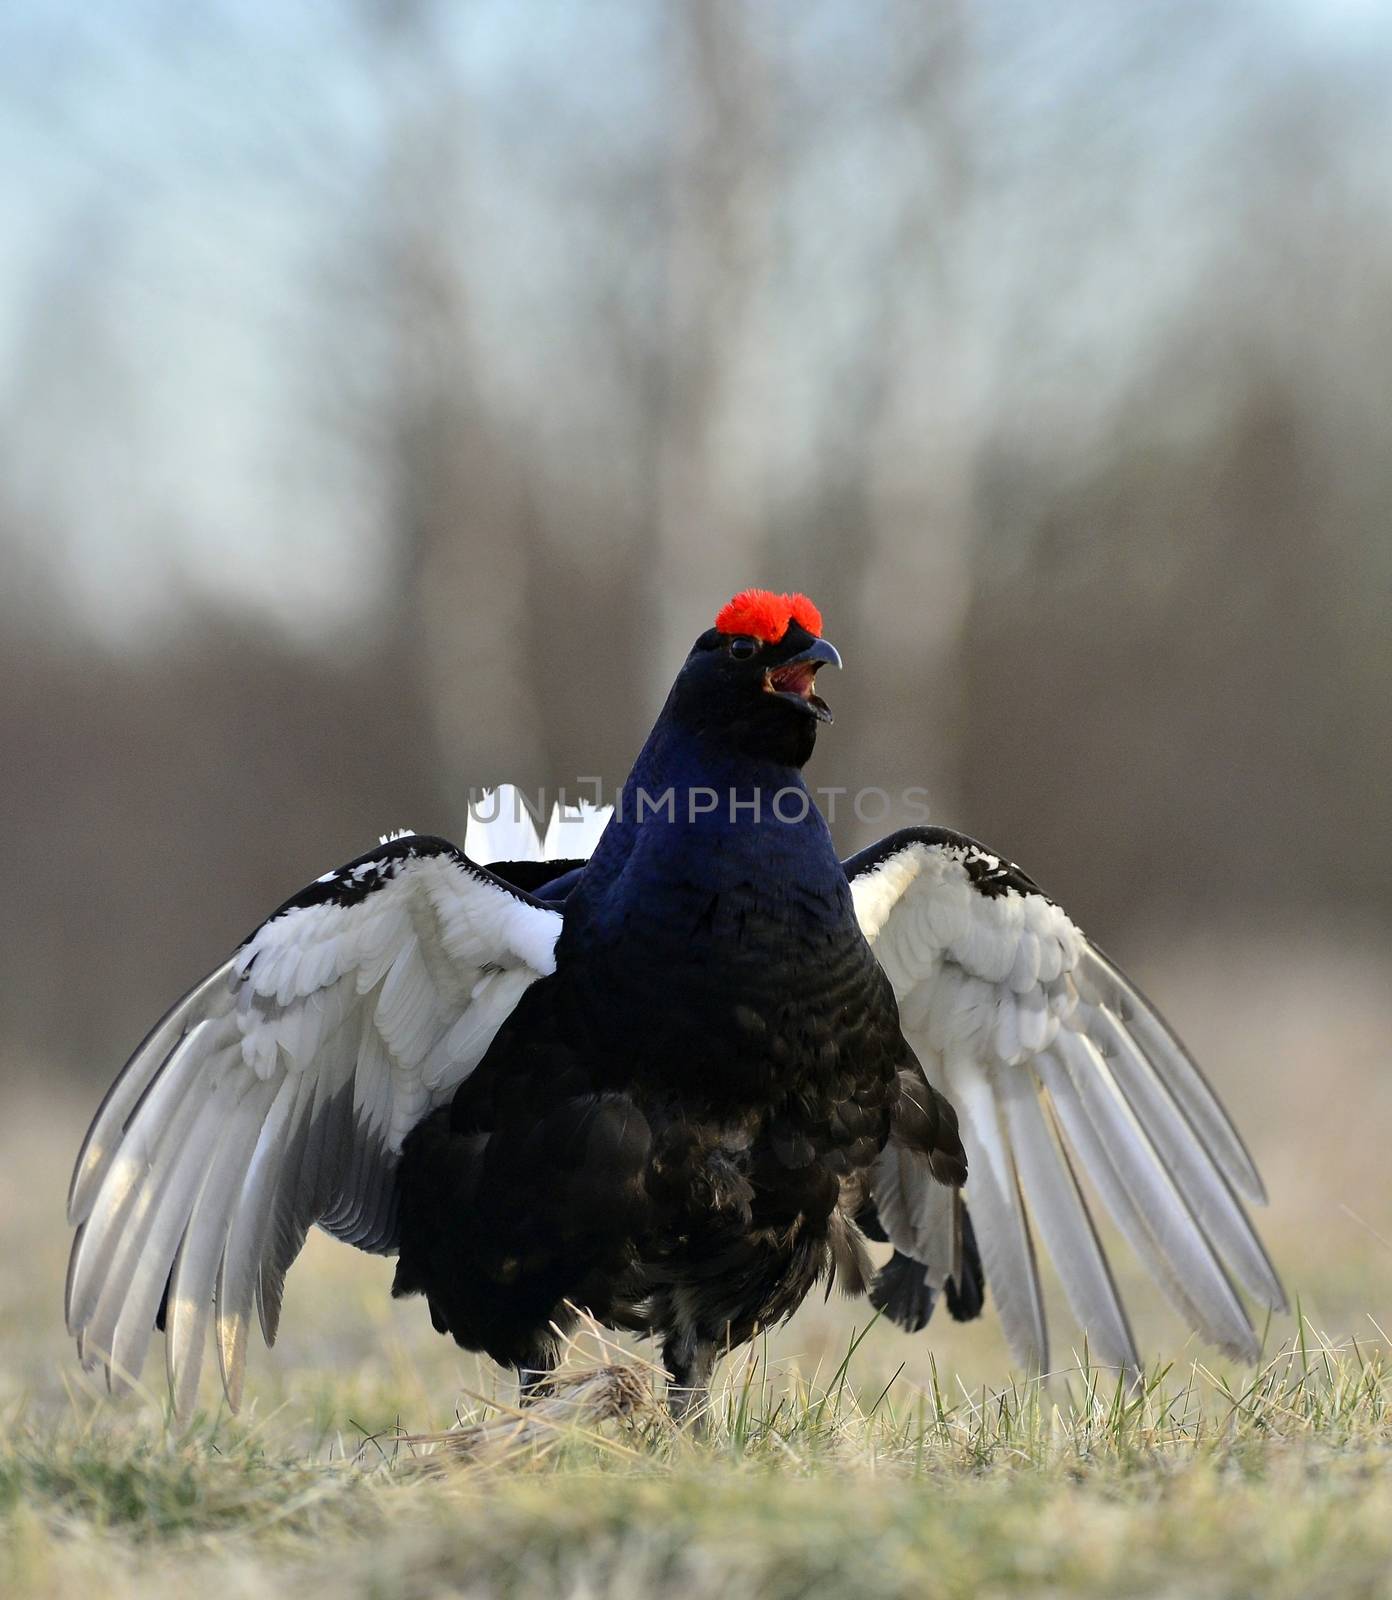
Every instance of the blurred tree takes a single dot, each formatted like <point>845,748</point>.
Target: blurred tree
<point>389,394</point>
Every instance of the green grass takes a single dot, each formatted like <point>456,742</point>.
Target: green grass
<point>1281,1487</point>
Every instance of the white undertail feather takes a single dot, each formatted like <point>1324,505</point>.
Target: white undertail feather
<point>574,831</point>
<point>1063,1075</point>
<point>500,827</point>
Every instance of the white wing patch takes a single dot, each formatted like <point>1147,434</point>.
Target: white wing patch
<point>278,1093</point>
<point>1057,1065</point>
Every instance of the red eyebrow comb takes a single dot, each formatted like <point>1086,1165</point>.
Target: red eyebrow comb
<point>765,615</point>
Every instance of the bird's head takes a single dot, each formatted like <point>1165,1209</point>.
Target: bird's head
<point>749,681</point>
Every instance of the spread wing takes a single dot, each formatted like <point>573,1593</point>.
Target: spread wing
<point>277,1094</point>
<point>1059,1069</point>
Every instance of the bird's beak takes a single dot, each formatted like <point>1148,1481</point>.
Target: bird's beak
<point>794,679</point>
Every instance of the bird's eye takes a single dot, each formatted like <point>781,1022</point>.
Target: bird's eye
<point>741,648</point>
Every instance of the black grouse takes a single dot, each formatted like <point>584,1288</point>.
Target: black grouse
<point>674,1084</point>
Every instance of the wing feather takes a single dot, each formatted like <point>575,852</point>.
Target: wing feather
<point>151,1056</point>
<point>1158,1200</point>
<point>1099,1163</point>
<point>1000,994</point>
<point>1065,1223</point>
<point>1184,1154</point>
<point>125,1315</point>
<point>1002,1226</point>
<point>190,1300</point>
<point>121,1203</point>
<point>246,1238</point>
<point>917,1213</point>
<point>277,1094</point>
<point>1176,1068</point>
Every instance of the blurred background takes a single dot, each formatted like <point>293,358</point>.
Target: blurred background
<point>391,390</point>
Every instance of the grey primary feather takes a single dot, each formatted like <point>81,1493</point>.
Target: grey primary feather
<point>147,1060</point>
<point>238,1270</point>
<point>275,1096</point>
<point>286,1231</point>
<point>190,1301</point>
<point>128,1205</point>
<point>1096,1161</point>
<point>1099,979</point>
<point>1186,1155</point>
<point>1163,1212</point>
<point>1066,1224</point>
<point>107,1201</point>
<point>1003,1231</point>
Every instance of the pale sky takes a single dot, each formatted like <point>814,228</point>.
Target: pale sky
<point>191,330</point>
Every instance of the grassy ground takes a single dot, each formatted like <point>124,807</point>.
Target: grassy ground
<point>1281,1488</point>
<point>838,1460</point>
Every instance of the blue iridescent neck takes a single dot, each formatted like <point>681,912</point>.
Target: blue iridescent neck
<point>692,808</point>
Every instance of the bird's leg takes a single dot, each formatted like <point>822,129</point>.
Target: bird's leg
<point>534,1383</point>
<point>690,1360</point>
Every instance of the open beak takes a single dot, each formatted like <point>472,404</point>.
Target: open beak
<point>795,679</point>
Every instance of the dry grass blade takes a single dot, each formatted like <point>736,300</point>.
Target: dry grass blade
<point>596,1382</point>
<point>578,1406</point>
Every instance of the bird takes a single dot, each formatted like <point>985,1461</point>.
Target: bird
<point>667,1066</point>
